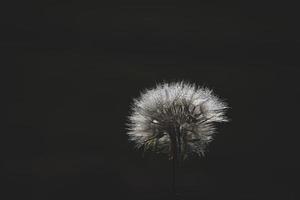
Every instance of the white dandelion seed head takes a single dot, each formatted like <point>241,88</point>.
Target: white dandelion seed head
<point>177,113</point>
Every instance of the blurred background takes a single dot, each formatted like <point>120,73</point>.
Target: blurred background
<point>72,68</point>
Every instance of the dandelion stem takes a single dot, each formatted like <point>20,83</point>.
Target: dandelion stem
<point>175,161</point>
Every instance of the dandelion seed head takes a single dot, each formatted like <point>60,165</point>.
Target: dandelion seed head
<point>179,113</point>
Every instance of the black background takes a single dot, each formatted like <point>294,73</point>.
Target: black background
<point>71,69</point>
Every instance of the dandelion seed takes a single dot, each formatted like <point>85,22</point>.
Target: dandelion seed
<point>179,113</point>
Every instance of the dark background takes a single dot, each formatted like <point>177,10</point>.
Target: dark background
<point>71,69</point>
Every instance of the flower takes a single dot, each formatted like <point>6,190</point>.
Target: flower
<point>175,118</point>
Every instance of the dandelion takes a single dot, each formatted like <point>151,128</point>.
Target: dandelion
<point>177,119</point>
